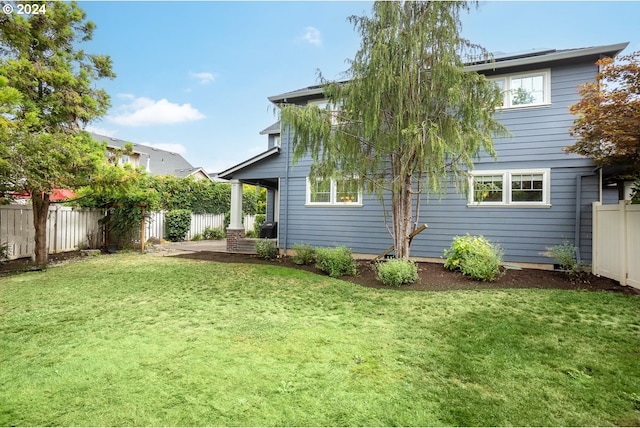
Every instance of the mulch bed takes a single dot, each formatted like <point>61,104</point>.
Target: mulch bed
<point>432,276</point>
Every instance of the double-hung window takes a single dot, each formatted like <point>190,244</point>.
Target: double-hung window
<point>334,192</point>
<point>525,89</point>
<point>510,188</point>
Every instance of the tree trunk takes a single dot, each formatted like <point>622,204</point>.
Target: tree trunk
<point>40,212</point>
<point>401,212</point>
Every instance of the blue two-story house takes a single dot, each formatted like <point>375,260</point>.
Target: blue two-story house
<point>535,195</point>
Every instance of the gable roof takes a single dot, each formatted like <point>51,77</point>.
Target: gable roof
<point>227,174</point>
<point>161,162</point>
<point>501,61</point>
<point>273,129</point>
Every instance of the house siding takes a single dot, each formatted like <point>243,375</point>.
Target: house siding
<point>538,137</point>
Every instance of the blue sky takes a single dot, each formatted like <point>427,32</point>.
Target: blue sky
<point>194,77</point>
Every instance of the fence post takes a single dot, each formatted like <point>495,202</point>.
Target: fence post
<point>595,238</point>
<point>622,218</point>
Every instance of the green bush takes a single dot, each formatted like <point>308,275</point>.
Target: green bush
<point>251,234</point>
<point>397,272</point>
<point>258,222</point>
<point>197,237</point>
<point>177,224</point>
<point>213,233</point>
<point>266,249</point>
<point>565,255</point>
<point>335,261</point>
<point>474,256</point>
<point>304,254</point>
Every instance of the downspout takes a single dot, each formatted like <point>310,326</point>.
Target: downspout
<point>286,195</point>
<point>576,238</point>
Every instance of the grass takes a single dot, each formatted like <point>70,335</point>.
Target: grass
<point>139,340</point>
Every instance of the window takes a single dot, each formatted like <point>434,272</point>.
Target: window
<point>525,90</point>
<point>276,141</point>
<point>124,159</point>
<point>341,192</point>
<point>326,105</point>
<point>516,188</point>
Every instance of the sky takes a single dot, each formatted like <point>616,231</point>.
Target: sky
<point>193,77</point>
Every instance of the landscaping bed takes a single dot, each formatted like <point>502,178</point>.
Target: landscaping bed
<point>434,277</point>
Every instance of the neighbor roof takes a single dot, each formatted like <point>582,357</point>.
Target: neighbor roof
<point>161,162</point>
<point>501,61</point>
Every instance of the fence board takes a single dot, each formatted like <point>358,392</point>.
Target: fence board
<point>616,242</point>
<point>68,229</point>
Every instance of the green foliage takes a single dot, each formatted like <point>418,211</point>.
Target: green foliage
<point>305,254</point>
<point>397,272</point>
<point>258,222</point>
<point>199,196</point>
<point>336,261</point>
<point>47,95</point>
<point>177,224</point>
<point>216,233</point>
<point>266,249</point>
<point>565,255</point>
<point>197,237</point>
<point>402,128</point>
<point>251,234</point>
<point>474,256</point>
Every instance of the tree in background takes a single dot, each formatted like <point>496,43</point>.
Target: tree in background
<point>409,117</point>
<point>608,123</point>
<point>45,147</point>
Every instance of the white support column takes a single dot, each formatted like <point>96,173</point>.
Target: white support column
<point>236,205</point>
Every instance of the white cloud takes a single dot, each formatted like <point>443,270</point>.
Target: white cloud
<point>145,111</point>
<point>203,77</point>
<point>169,147</point>
<point>312,36</point>
<point>101,131</point>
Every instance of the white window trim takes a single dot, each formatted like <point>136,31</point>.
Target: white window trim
<point>332,198</point>
<point>506,188</point>
<point>506,99</point>
<point>334,109</point>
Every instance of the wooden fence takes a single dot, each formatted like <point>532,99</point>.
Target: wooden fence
<point>616,242</point>
<point>69,229</point>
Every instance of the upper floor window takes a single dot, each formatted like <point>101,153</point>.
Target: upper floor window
<point>518,188</point>
<point>276,141</point>
<point>335,192</point>
<point>525,89</point>
<point>124,159</point>
<point>326,105</point>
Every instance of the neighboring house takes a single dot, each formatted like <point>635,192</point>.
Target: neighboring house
<point>154,160</point>
<point>534,196</point>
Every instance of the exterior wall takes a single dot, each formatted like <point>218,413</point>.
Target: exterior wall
<point>538,137</point>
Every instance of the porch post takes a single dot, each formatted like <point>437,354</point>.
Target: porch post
<point>236,229</point>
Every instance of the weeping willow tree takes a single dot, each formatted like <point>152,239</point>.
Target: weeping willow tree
<point>409,118</point>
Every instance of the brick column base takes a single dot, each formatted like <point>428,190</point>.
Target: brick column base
<point>233,236</point>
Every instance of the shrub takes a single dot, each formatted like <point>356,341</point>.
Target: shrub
<point>335,261</point>
<point>266,249</point>
<point>304,254</point>
<point>197,237</point>
<point>397,272</point>
<point>213,233</point>
<point>177,223</point>
<point>4,251</point>
<point>474,256</point>
<point>258,222</point>
<point>565,255</point>
<point>251,234</point>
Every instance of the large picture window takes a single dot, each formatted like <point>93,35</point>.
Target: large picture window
<point>514,188</point>
<point>525,89</point>
<point>340,192</point>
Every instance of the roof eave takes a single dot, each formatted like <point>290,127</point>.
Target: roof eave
<point>229,172</point>
<point>550,57</point>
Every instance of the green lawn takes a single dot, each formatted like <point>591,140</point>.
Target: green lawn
<point>142,340</point>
